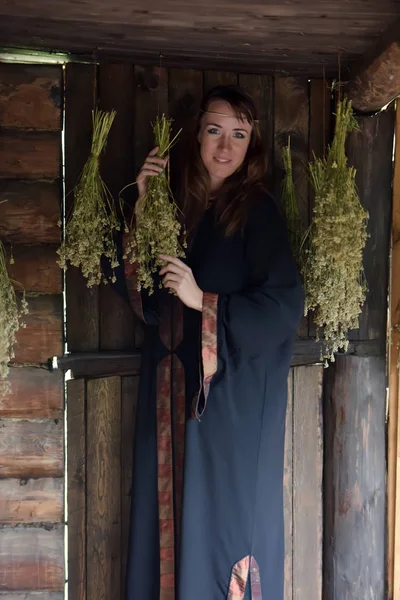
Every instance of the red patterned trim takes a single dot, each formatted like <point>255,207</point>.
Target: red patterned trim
<point>208,348</point>
<point>237,584</point>
<point>165,481</point>
<point>179,420</point>
<point>240,574</point>
<point>255,580</point>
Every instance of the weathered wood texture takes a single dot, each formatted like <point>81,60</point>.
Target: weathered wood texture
<point>103,488</point>
<point>32,595</point>
<point>80,100</point>
<point>29,212</point>
<point>292,115</point>
<point>267,38</point>
<point>31,500</point>
<point>117,320</point>
<point>31,448</point>
<point>303,484</point>
<point>76,486</point>
<point>31,559</point>
<point>30,155</point>
<point>30,96</point>
<point>354,479</point>
<point>376,81</point>
<point>393,489</point>
<point>42,337</point>
<point>35,393</point>
<point>35,269</point>
<point>370,150</point>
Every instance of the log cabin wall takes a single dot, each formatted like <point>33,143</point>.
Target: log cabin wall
<point>31,416</point>
<point>101,408</point>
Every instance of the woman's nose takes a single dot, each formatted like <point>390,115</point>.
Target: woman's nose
<point>224,142</point>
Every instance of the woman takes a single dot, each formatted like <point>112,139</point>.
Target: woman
<point>207,505</point>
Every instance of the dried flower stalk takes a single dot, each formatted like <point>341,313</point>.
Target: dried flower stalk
<point>157,229</point>
<point>11,319</point>
<point>333,274</point>
<point>290,205</point>
<point>89,233</point>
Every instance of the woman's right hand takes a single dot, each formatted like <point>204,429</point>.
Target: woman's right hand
<point>153,165</point>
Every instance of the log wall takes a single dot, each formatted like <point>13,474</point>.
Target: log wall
<point>31,415</point>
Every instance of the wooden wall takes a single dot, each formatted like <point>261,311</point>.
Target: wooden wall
<point>101,412</point>
<point>31,415</point>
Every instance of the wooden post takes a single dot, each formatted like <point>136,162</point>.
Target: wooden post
<point>394,390</point>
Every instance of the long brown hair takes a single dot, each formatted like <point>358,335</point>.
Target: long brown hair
<point>233,197</point>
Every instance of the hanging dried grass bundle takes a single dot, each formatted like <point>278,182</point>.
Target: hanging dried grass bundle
<point>156,230</point>
<point>11,319</point>
<point>290,205</point>
<point>90,229</point>
<point>333,275</point>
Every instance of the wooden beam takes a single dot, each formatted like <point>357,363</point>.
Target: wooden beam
<point>393,493</point>
<point>376,81</point>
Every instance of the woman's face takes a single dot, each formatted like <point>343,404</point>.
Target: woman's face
<point>224,140</point>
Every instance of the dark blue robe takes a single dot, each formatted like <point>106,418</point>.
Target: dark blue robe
<point>207,503</point>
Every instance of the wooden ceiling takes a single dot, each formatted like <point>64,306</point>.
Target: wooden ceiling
<point>281,37</point>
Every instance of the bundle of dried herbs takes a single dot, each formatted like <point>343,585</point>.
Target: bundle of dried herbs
<point>11,319</point>
<point>290,205</point>
<point>90,227</point>
<point>156,229</point>
<point>333,275</point>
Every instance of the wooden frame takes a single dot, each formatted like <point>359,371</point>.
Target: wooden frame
<point>394,390</point>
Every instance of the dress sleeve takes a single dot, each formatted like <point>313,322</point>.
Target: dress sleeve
<point>267,312</point>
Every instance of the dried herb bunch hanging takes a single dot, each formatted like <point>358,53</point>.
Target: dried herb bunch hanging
<point>290,205</point>
<point>333,275</point>
<point>156,228</point>
<point>90,227</point>
<point>11,319</point>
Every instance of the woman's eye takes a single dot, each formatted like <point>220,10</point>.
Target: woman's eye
<point>239,135</point>
<point>212,130</point>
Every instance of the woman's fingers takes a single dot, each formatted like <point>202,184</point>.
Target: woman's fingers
<point>156,160</point>
<point>171,268</point>
<point>149,171</point>
<point>175,261</point>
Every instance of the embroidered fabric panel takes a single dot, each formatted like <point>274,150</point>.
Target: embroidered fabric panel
<point>240,573</point>
<point>165,481</point>
<point>208,348</point>
<point>255,580</point>
<point>179,423</point>
<point>239,576</point>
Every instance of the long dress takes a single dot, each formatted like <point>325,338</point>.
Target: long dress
<point>207,501</point>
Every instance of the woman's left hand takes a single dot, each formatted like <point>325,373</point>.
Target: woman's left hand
<point>179,277</point>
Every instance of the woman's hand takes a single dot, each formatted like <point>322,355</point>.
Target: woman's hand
<point>179,277</point>
<point>153,165</point>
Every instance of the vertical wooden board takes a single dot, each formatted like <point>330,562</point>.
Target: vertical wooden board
<point>31,96</point>
<point>80,100</point>
<point>35,393</point>
<point>31,500</point>
<point>32,559</point>
<point>32,595</point>
<point>292,119</point>
<point>117,320</point>
<point>76,457</point>
<point>320,134</point>
<point>130,388</point>
<point>393,493</point>
<point>261,88</point>
<point>104,488</point>
<point>31,448</point>
<point>185,94</point>
<point>29,211</point>
<point>370,151</point>
<point>307,482</point>
<point>151,99</point>
<point>213,78</point>
<point>288,492</point>
<point>354,479</point>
